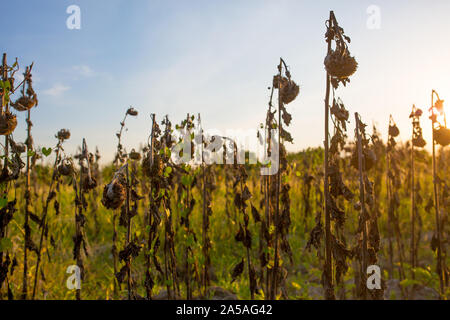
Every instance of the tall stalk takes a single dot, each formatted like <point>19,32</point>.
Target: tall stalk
<point>413,204</point>
<point>167,142</point>
<point>418,141</point>
<point>149,164</point>
<point>327,273</point>
<point>9,123</point>
<point>393,180</point>
<point>128,236</point>
<point>247,240</point>
<point>277,192</point>
<point>362,200</point>
<point>4,263</point>
<point>119,159</point>
<point>43,222</point>
<point>339,66</point>
<point>267,222</point>
<point>187,203</point>
<point>4,110</point>
<point>79,218</point>
<point>279,217</point>
<point>26,225</point>
<point>390,220</point>
<point>243,235</point>
<point>206,211</point>
<point>439,266</point>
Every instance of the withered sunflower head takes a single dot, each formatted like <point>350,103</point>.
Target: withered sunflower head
<point>419,142</point>
<point>63,134</point>
<point>8,123</point>
<point>89,183</point>
<point>134,155</point>
<point>132,112</point>
<point>65,168</point>
<point>442,136</point>
<point>114,193</point>
<point>393,130</point>
<point>289,91</point>
<point>340,64</point>
<point>24,103</point>
<point>19,147</point>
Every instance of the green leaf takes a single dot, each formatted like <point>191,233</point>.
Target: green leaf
<point>423,274</point>
<point>296,285</point>
<point>3,202</point>
<point>167,152</point>
<point>5,244</point>
<point>272,229</point>
<point>168,282</point>
<point>186,180</point>
<point>46,151</point>
<point>31,153</point>
<point>167,171</point>
<point>408,282</point>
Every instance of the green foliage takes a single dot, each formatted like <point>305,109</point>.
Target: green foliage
<point>304,274</point>
<point>46,151</point>
<point>3,202</point>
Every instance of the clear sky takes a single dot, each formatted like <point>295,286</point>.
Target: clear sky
<point>218,57</point>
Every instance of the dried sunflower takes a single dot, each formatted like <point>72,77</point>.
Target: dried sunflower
<point>393,130</point>
<point>8,122</point>
<point>419,142</point>
<point>134,155</point>
<point>63,134</point>
<point>442,136</point>
<point>289,89</point>
<point>114,193</point>
<point>65,168</point>
<point>24,103</point>
<point>340,64</point>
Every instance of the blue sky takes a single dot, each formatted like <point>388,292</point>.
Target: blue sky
<point>218,58</point>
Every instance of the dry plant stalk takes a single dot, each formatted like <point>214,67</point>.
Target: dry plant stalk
<point>367,249</point>
<point>120,157</point>
<point>8,123</point>
<point>416,141</point>
<point>435,109</point>
<point>84,184</point>
<point>393,181</point>
<point>339,66</point>
<point>59,169</point>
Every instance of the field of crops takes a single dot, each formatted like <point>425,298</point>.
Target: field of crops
<point>192,216</point>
